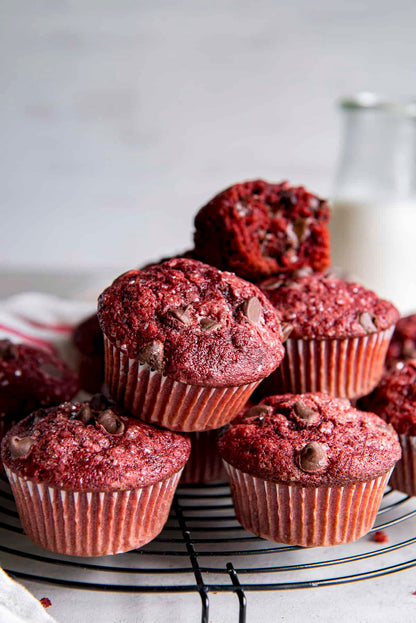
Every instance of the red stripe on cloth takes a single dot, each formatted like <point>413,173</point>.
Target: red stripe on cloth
<point>59,328</point>
<point>28,338</point>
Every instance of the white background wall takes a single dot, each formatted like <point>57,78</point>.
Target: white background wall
<point>119,118</point>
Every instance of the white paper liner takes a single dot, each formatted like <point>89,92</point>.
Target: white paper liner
<point>92,523</point>
<point>307,516</point>
<point>205,464</point>
<point>158,399</point>
<point>347,368</point>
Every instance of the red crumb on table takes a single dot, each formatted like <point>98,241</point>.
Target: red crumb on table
<point>46,602</point>
<point>380,537</point>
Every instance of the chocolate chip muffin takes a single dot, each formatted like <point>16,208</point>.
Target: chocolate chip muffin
<point>186,344</point>
<point>337,335</point>
<point>308,456</point>
<point>89,343</point>
<point>89,480</point>
<point>257,229</point>
<point>394,399</point>
<point>30,378</point>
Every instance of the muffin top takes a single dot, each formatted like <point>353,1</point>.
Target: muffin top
<point>320,306</point>
<point>91,446</point>
<point>310,440</point>
<point>31,378</point>
<point>403,342</point>
<point>394,398</point>
<point>257,229</point>
<point>194,323</point>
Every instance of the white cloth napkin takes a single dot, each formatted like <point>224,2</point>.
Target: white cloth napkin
<point>42,320</point>
<point>45,321</point>
<point>17,605</point>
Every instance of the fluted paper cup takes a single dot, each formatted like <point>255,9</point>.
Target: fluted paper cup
<point>403,477</point>
<point>92,523</point>
<point>205,464</point>
<point>158,399</point>
<point>307,516</point>
<point>345,368</point>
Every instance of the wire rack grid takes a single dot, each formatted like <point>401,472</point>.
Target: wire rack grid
<point>204,549</point>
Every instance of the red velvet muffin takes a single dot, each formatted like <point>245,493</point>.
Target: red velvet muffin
<point>403,343</point>
<point>257,229</point>
<point>89,480</point>
<point>89,342</point>
<point>308,469</point>
<point>31,378</point>
<point>394,399</point>
<point>338,334</point>
<point>186,344</point>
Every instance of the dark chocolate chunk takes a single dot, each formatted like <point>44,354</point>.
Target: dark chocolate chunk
<point>252,309</point>
<point>292,238</point>
<point>409,350</point>
<point>258,411</point>
<point>308,414</point>
<point>287,329</point>
<point>8,350</point>
<point>300,227</point>
<point>272,284</point>
<point>51,370</point>
<point>313,457</point>
<point>305,271</point>
<point>98,402</point>
<point>208,324</point>
<point>182,314</point>
<point>84,414</point>
<point>111,422</point>
<point>368,322</point>
<point>152,355</point>
<point>20,447</point>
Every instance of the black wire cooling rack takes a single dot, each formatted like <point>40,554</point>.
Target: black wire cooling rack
<point>204,549</point>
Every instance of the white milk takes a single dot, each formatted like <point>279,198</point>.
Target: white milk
<point>376,245</point>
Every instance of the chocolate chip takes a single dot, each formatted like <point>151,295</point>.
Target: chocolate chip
<point>208,324</point>
<point>292,238</point>
<point>84,414</point>
<point>287,329</point>
<point>98,402</point>
<point>308,414</point>
<point>8,350</point>
<point>51,370</point>
<point>300,227</point>
<point>181,314</point>
<point>111,422</point>
<point>252,309</point>
<point>152,355</point>
<point>368,322</point>
<point>259,411</point>
<point>409,349</point>
<point>305,271</point>
<point>313,457</point>
<point>271,284</point>
<point>20,447</point>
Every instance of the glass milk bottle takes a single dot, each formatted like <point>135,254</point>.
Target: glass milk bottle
<point>374,202</point>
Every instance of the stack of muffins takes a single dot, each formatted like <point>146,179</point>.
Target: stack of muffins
<point>184,350</point>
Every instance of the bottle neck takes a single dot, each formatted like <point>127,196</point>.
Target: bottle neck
<point>378,156</point>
